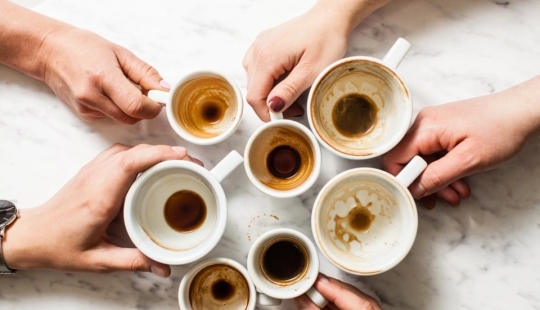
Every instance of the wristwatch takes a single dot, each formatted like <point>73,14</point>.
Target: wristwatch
<point>8,214</point>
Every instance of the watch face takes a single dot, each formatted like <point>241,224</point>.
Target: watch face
<point>7,211</point>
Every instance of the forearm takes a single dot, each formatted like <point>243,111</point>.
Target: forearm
<point>526,95</point>
<point>351,12</point>
<point>22,33</point>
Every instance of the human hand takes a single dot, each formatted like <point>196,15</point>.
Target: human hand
<point>97,78</point>
<point>70,231</point>
<point>301,47</point>
<point>341,296</point>
<point>463,138</point>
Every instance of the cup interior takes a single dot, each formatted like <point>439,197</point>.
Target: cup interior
<point>262,158</point>
<point>364,221</point>
<point>368,78</point>
<point>205,107</point>
<point>285,289</point>
<point>145,212</point>
<point>217,283</point>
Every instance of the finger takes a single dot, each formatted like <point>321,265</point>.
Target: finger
<point>143,156</point>
<point>110,258</point>
<point>260,83</point>
<point>112,150</point>
<point>287,91</point>
<point>462,188</point>
<point>129,98</point>
<point>429,201</point>
<point>458,163</point>
<point>109,108</point>
<point>139,71</point>
<point>303,302</point>
<point>295,110</point>
<point>344,296</point>
<point>449,195</point>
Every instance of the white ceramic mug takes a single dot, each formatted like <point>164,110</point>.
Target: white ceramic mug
<point>303,281</point>
<point>203,107</point>
<point>359,107</point>
<point>296,140</point>
<point>144,209</point>
<point>364,220</point>
<point>220,283</point>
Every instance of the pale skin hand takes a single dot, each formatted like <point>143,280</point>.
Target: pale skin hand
<point>301,48</point>
<point>340,295</point>
<point>463,138</point>
<point>72,231</point>
<point>93,76</point>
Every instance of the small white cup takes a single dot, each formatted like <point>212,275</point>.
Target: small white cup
<point>364,220</point>
<point>277,133</point>
<point>203,294</point>
<point>145,202</point>
<point>195,93</point>
<point>302,284</point>
<point>370,78</point>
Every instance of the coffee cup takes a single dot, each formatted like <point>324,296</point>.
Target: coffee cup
<point>175,212</point>
<point>364,220</point>
<point>359,107</point>
<point>220,283</point>
<point>282,158</point>
<point>284,264</point>
<point>203,107</point>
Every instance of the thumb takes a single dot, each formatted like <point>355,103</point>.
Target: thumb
<point>289,89</point>
<point>139,71</point>
<point>457,163</point>
<point>113,258</point>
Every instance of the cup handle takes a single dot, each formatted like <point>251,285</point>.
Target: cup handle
<point>265,300</point>
<point>158,96</point>
<point>317,298</point>
<point>275,116</point>
<point>227,165</point>
<point>413,169</point>
<point>396,53</point>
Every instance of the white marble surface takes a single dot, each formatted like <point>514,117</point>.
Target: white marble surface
<point>481,255</point>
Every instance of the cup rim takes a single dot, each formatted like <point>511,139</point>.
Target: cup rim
<point>146,245</point>
<point>316,166</point>
<point>183,290</point>
<point>378,151</point>
<point>186,135</point>
<point>316,226</point>
<point>311,273</point>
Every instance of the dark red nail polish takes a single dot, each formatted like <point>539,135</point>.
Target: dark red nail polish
<point>276,104</point>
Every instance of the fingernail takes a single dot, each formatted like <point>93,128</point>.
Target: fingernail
<point>165,84</point>
<point>158,271</point>
<point>179,149</point>
<point>276,104</point>
<point>417,190</point>
<point>198,162</point>
<point>323,278</point>
<point>301,302</point>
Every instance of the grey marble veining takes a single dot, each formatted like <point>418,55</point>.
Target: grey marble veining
<point>481,255</point>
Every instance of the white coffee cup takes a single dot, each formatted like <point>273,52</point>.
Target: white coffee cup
<point>292,138</point>
<point>203,107</point>
<point>237,293</point>
<point>377,112</point>
<point>264,278</point>
<point>364,220</point>
<point>144,209</point>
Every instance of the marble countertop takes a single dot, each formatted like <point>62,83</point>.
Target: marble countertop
<point>482,255</point>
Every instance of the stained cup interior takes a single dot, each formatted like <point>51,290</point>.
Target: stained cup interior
<point>145,216</point>
<point>364,221</point>
<point>371,78</point>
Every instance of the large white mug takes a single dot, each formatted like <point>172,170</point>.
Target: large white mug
<point>359,107</point>
<point>203,107</point>
<point>176,211</point>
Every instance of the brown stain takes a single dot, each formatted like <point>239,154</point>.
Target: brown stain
<point>250,224</point>
<point>354,115</point>
<point>358,219</point>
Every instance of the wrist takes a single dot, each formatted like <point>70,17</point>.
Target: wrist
<point>16,247</point>
<point>526,95</point>
<point>349,13</point>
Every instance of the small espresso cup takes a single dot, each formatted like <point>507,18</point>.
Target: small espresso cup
<point>203,107</point>
<point>358,107</point>
<point>282,158</point>
<point>364,220</point>
<point>220,283</point>
<point>284,264</point>
<point>176,211</point>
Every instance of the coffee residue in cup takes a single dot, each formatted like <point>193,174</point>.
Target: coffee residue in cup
<point>284,261</point>
<point>354,115</point>
<point>185,211</point>
<point>284,162</point>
